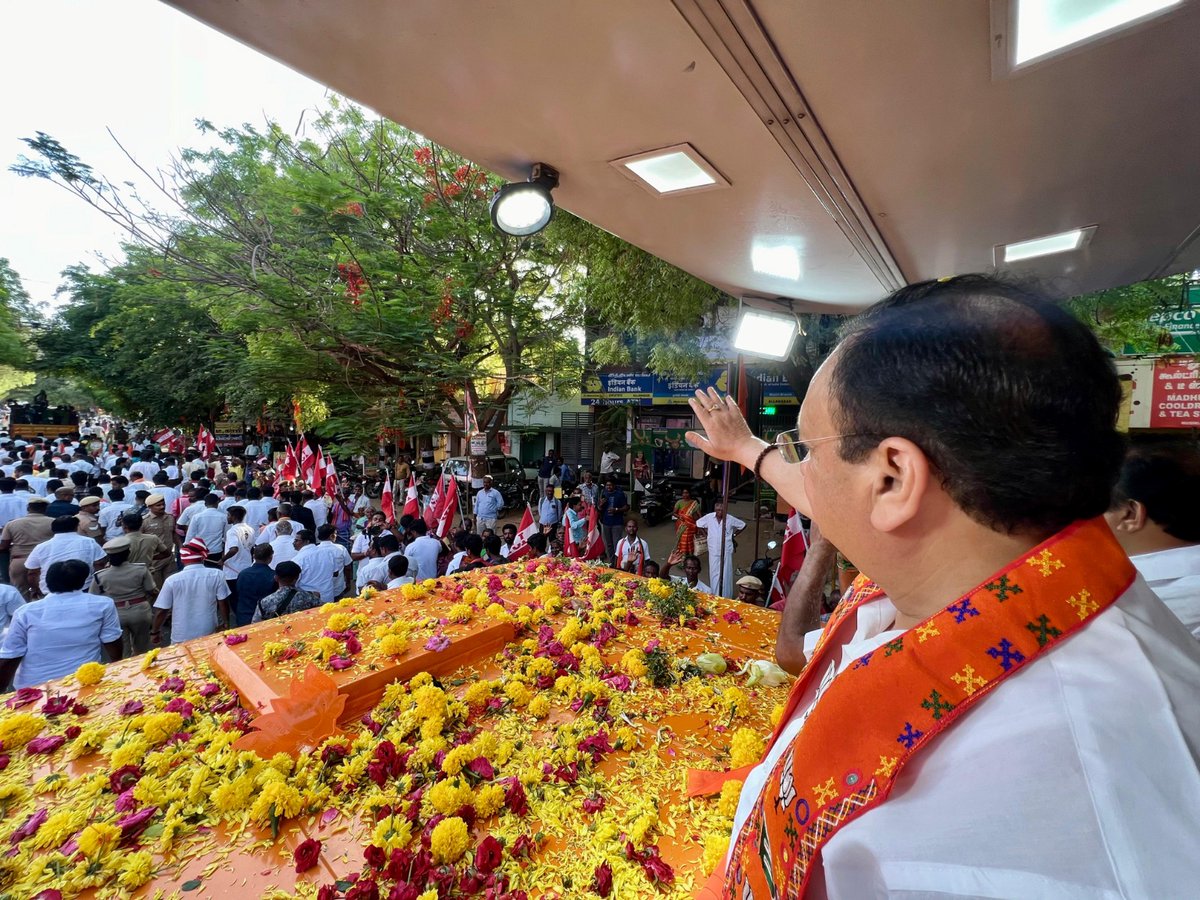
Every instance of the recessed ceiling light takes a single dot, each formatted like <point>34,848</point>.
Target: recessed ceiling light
<point>1063,242</point>
<point>1046,26</point>
<point>776,260</point>
<point>671,170</point>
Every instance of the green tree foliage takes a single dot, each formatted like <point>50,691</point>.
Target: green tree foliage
<point>16,317</point>
<point>1120,316</point>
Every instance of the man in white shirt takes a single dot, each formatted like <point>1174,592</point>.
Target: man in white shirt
<point>12,505</point>
<point>55,636</point>
<point>257,507</point>
<point>375,568</point>
<point>423,553</point>
<point>1156,517</point>
<point>488,503</point>
<point>284,543</point>
<point>271,529</point>
<point>339,558</point>
<point>239,539</point>
<point>229,499</point>
<point>691,571</point>
<point>632,551</point>
<point>936,451</point>
<point>721,530</point>
<point>318,507</point>
<point>195,596</point>
<point>65,543</point>
<point>146,466</point>
<point>209,525</point>
<point>608,461</point>
<point>317,569</point>
<point>110,515</point>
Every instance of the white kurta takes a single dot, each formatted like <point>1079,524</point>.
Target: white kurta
<point>713,527</point>
<point>1076,777</point>
<point>1174,575</point>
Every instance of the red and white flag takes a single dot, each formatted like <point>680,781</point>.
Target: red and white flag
<point>412,502</point>
<point>162,435</point>
<point>385,501</point>
<point>791,558</point>
<point>570,548</point>
<point>595,540</point>
<point>316,476</point>
<point>205,443</point>
<point>332,485</point>
<point>449,506</point>
<point>435,503</point>
<point>527,529</point>
<point>290,469</point>
<point>306,457</point>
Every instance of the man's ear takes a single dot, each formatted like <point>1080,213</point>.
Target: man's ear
<point>1130,519</point>
<point>900,476</point>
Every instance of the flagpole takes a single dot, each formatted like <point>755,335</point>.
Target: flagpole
<point>725,493</point>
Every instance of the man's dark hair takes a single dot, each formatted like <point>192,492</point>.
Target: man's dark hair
<point>287,570</point>
<point>160,477</point>
<point>237,513</point>
<point>398,566</point>
<point>116,495</point>
<point>79,479</point>
<point>538,542</point>
<point>64,525</point>
<point>285,510</point>
<point>492,544</point>
<point>66,575</point>
<point>53,485</point>
<point>7,485</point>
<point>1010,397</point>
<point>262,553</point>
<point>387,543</point>
<point>474,545</point>
<point>306,536</point>
<point>254,493</point>
<point>1166,480</point>
<point>326,532</point>
<point>212,500</point>
<point>419,527</point>
<point>692,556</point>
<point>132,521</point>
<point>509,529</point>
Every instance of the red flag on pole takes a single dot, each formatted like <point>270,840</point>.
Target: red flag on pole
<point>316,478</point>
<point>331,478</point>
<point>570,548</point>
<point>290,470</point>
<point>449,506</point>
<point>435,503</point>
<point>306,457</point>
<point>412,503</point>
<point>205,442</point>
<point>527,529</point>
<point>795,546</point>
<point>162,434</point>
<point>385,502</point>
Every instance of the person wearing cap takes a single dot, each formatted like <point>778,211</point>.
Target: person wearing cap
<point>749,589</point>
<point>20,536</point>
<point>63,503</point>
<point>65,543</point>
<point>488,503</point>
<point>89,524</point>
<point>54,637</point>
<point>196,597</point>
<point>131,588</point>
<point>160,524</point>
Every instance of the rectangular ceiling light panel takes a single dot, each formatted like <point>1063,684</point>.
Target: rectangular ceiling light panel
<point>1063,242</point>
<point>1044,27</point>
<point>671,170</point>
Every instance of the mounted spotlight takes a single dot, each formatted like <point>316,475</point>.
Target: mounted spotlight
<point>762,333</point>
<point>522,208</point>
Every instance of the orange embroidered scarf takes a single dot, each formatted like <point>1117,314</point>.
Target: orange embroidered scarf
<point>883,709</point>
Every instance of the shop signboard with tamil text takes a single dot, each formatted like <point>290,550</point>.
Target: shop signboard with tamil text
<point>1175,394</point>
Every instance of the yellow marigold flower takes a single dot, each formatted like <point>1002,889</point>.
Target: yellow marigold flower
<point>160,726</point>
<point>498,612</point>
<point>450,796</point>
<point>489,800</point>
<point>456,759</point>
<point>149,658</point>
<point>478,693</point>
<point>19,729</point>
<point>392,833</point>
<point>89,673</point>
<point>633,663</point>
<point>60,826</point>
<point>539,706</point>
<point>641,828</point>
<point>746,749</point>
<point>98,837</point>
<point>605,831</point>
<point>565,684</point>
<point>430,894</point>
<point>276,799</point>
<point>539,666</point>
<point>524,616</point>
<point>518,693</point>
<point>231,796</point>
<point>459,612</point>
<point>471,595</point>
<point>132,751</point>
<point>730,792</point>
<point>449,840</point>
<point>272,649</point>
<point>776,714</point>
<point>736,701</point>
<point>325,647</point>
<point>625,738</point>
<point>136,869</point>
<point>11,795</point>
<point>392,645</point>
<point>715,847</point>
<point>338,622</point>
<point>431,729</point>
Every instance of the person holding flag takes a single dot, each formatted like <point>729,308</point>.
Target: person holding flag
<point>795,547</point>
<point>412,500</point>
<point>576,520</point>
<point>527,529</point>
<point>386,504</point>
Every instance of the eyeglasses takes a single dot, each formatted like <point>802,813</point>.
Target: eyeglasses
<point>794,450</point>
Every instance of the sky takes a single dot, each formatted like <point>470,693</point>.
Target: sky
<point>76,69</point>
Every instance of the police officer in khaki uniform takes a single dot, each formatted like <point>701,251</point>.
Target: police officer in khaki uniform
<point>89,525</point>
<point>143,548</point>
<point>131,588</point>
<point>161,524</point>
<point>20,536</point>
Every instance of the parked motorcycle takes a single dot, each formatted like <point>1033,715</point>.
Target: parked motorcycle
<point>658,502</point>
